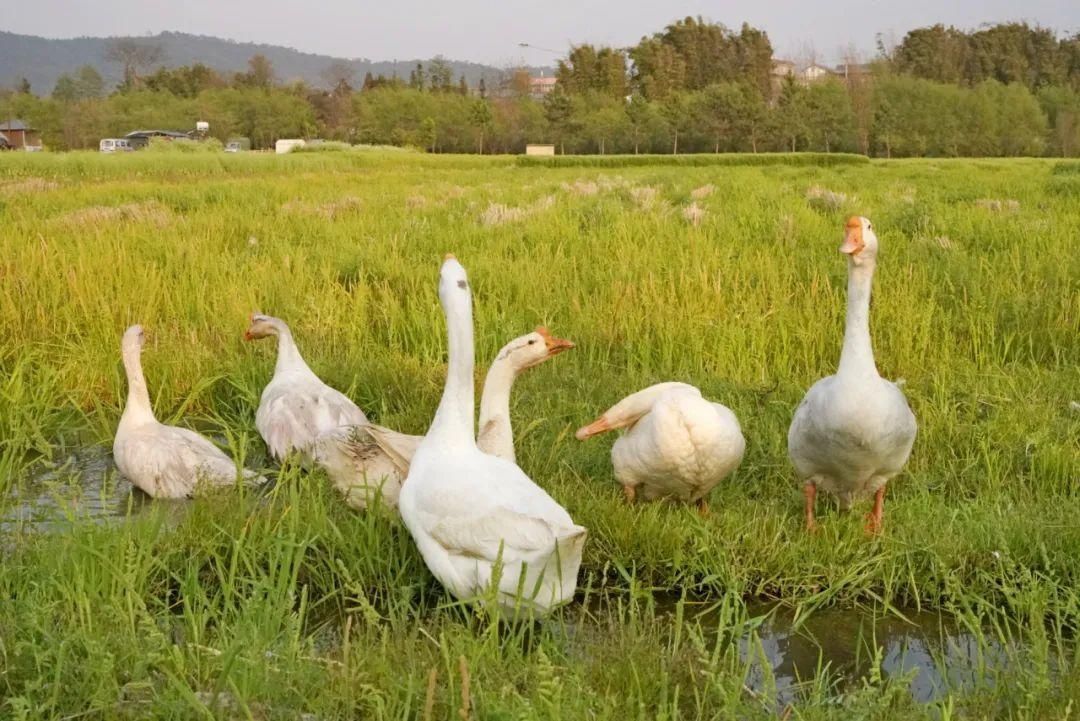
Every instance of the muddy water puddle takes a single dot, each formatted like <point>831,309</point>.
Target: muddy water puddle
<point>74,486</point>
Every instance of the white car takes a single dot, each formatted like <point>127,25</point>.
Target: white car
<point>115,145</point>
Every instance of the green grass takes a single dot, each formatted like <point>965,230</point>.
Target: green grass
<point>289,602</point>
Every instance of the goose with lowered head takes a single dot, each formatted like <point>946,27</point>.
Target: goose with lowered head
<point>296,406</point>
<point>366,459</point>
<point>677,445</point>
<point>482,526</point>
<point>164,461</point>
<point>854,430</point>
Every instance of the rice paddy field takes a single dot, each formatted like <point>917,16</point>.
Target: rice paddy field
<point>285,604</point>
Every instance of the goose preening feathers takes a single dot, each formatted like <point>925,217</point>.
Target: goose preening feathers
<point>365,459</point>
<point>854,430</point>
<point>481,525</point>
<point>677,444</point>
<point>164,461</point>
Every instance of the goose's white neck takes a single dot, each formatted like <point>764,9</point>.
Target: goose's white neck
<point>857,356</point>
<point>289,359</point>
<point>495,409</point>
<point>137,409</point>
<point>453,424</point>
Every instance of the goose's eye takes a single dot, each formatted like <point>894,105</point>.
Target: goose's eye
<point>532,341</point>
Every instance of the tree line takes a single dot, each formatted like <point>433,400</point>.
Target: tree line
<point>696,86</point>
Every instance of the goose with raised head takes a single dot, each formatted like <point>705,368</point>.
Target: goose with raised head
<point>296,406</point>
<point>361,460</point>
<point>854,430</point>
<point>483,527</point>
<point>677,444</point>
<point>164,461</point>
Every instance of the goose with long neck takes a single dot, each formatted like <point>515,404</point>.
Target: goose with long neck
<point>164,461</point>
<point>854,430</point>
<point>363,460</point>
<point>296,407</point>
<point>677,444</point>
<point>485,530</point>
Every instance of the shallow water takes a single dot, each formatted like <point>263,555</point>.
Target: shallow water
<point>784,652</point>
<point>929,649</point>
<point>75,486</point>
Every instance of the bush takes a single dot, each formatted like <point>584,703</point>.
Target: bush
<point>181,145</point>
<point>623,161</point>
<point>334,146</point>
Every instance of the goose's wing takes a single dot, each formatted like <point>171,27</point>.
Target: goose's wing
<point>497,530</point>
<point>808,442</point>
<point>292,418</point>
<point>497,510</point>
<point>400,446</point>
<point>167,461</point>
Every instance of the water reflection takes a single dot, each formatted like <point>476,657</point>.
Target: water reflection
<point>786,655</point>
<point>929,649</point>
<point>75,486</point>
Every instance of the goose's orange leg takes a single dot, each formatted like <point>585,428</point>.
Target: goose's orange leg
<point>810,492</point>
<point>875,520</point>
<point>630,492</point>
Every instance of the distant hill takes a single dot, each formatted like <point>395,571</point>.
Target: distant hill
<point>43,60</point>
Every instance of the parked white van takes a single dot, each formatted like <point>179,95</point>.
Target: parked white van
<point>114,145</point>
<point>285,145</point>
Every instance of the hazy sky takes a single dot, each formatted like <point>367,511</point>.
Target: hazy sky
<point>490,31</point>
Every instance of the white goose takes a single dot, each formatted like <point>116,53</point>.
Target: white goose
<point>478,520</point>
<point>296,406</point>
<point>854,430</point>
<point>677,445</point>
<point>367,459</point>
<point>163,461</point>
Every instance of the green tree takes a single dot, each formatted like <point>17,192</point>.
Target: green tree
<point>559,111</point>
<point>440,75</point>
<point>789,119</point>
<point>133,57</point>
<point>184,81</point>
<point>603,119</point>
<point>1062,108</point>
<point>677,110</point>
<point>934,53</point>
<point>65,90</point>
<point>830,120</point>
<point>260,74</point>
<point>720,109</point>
<point>588,70</point>
<point>643,121</point>
<point>658,69</point>
<point>417,78</point>
<point>691,54</point>
<point>482,118</point>
<point>428,133</point>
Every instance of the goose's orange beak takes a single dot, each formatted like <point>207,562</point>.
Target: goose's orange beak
<point>853,240</point>
<point>600,425</point>
<point>554,345</point>
<point>248,335</point>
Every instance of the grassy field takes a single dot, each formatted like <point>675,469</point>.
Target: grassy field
<point>266,606</point>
